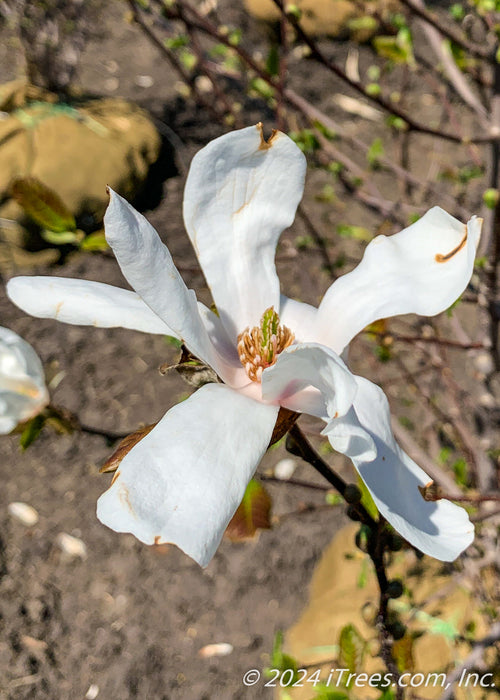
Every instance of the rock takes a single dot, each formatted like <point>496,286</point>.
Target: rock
<point>285,468</point>
<point>220,649</point>
<point>72,547</point>
<point>24,513</point>
<point>335,18</point>
<point>92,692</point>
<point>74,150</point>
<point>438,615</point>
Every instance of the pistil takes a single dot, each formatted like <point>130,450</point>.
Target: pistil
<point>260,346</point>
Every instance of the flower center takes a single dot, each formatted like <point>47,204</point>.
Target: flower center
<point>260,346</point>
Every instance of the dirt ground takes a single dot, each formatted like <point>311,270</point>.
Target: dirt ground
<point>128,621</point>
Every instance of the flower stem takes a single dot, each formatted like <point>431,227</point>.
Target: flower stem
<point>376,545</point>
<point>298,444</point>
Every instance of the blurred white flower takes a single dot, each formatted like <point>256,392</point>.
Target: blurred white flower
<point>23,393</point>
<point>184,480</point>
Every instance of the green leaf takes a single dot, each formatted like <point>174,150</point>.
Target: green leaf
<point>402,653</point>
<point>62,237</point>
<point>173,341</point>
<point>357,232</point>
<point>31,431</point>
<point>461,472</point>
<point>273,60</point>
<point>177,42</point>
<point>365,23</point>
<point>398,49</point>
<point>188,59</point>
<point>306,140</point>
<point>457,12</point>
<point>262,88</point>
<point>95,242</point>
<point>373,89</point>
<point>352,649</point>
<point>282,661</point>
<point>490,197</point>
<point>254,513</point>
<point>42,205</point>
<point>375,152</point>
<point>325,693</point>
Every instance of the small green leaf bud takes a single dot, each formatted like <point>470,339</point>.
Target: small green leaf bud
<point>490,197</point>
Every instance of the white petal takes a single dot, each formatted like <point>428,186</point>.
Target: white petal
<point>84,303</point>
<point>423,269</point>
<point>299,317</point>
<point>241,192</point>
<point>183,482</point>
<point>23,393</point>
<point>348,437</point>
<point>441,528</point>
<point>148,267</point>
<point>7,424</point>
<point>310,378</point>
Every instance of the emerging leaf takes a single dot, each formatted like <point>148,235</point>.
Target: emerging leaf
<point>31,431</point>
<point>402,653</point>
<point>42,205</point>
<point>62,237</point>
<point>124,447</point>
<point>253,513</point>
<point>194,372</point>
<point>352,648</point>
<point>96,241</point>
<point>283,662</point>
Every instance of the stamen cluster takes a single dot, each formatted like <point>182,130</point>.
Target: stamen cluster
<point>260,346</point>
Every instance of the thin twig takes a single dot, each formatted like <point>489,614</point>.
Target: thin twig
<point>381,101</point>
<point>471,660</point>
<point>448,30</point>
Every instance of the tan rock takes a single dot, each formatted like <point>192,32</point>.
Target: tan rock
<point>344,587</point>
<point>327,17</point>
<point>77,151</point>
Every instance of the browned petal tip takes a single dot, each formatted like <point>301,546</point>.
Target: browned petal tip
<point>431,491</point>
<point>124,447</point>
<point>440,258</point>
<point>265,145</point>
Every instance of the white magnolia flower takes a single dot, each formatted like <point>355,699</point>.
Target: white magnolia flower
<point>23,393</point>
<point>184,480</point>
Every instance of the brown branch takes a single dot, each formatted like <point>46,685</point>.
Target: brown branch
<point>171,58</point>
<point>376,544</point>
<point>448,30</point>
<point>472,660</point>
<point>437,341</point>
<point>379,100</point>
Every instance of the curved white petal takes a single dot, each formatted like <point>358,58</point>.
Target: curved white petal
<point>7,424</point>
<point>85,303</point>
<point>299,317</point>
<point>183,482</point>
<point>423,269</point>
<point>441,528</point>
<point>241,192</point>
<point>310,378</point>
<point>149,269</point>
<point>347,436</point>
<point>23,393</point>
